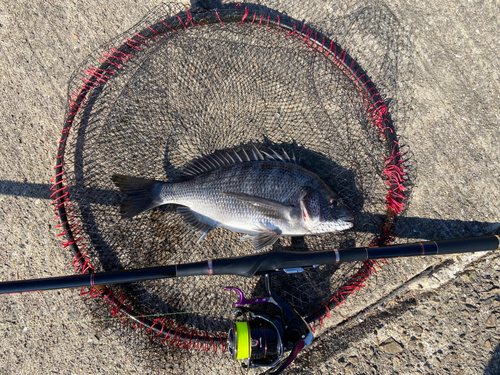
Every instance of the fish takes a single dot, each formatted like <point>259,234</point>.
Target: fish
<point>262,195</point>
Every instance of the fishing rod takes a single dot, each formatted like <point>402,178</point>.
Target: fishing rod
<point>258,264</point>
<point>262,340</point>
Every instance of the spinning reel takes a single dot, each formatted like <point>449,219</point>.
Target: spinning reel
<point>263,340</point>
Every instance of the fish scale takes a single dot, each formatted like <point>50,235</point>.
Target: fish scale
<point>263,197</point>
<point>272,180</point>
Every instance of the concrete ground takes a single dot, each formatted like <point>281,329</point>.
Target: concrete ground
<point>442,321</point>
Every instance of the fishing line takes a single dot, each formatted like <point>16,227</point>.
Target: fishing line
<point>120,318</point>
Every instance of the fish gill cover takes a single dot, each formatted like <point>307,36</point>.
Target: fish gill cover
<point>186,83</point>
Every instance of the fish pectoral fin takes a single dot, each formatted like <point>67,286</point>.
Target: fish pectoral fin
<point>264,239</point>
<point>267,207</point>
<point>194,220</point>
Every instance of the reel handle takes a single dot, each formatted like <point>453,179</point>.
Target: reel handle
<point>299,345</point>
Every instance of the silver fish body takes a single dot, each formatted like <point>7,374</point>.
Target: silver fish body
<point>262,197</point>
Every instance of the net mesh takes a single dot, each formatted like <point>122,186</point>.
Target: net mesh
<point>180,85</point>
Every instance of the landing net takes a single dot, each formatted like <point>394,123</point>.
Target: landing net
<point>186,83</point>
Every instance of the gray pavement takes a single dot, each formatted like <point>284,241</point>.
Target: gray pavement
<point>408,319</point>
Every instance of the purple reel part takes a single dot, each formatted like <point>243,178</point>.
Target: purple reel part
<point>244,301</point>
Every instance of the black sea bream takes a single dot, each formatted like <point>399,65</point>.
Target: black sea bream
<point>260,195</point>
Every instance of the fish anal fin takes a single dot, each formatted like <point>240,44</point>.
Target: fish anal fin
<point>267,207</point>
<point>245,237</point>
<point>195,221</point>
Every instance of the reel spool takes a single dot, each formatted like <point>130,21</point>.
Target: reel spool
<point>258,340</point>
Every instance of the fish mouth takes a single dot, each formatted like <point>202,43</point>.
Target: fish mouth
<point>343,224</point>
<point>345,220</point>
<point>332,226</point>
<point>346,216</point>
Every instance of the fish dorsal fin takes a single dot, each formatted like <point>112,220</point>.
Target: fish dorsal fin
<point>225,158</point>
<point>267,207</point>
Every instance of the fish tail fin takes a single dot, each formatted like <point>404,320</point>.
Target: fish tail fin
<point>142,194</point>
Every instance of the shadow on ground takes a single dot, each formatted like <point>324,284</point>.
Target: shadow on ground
<point>422,226</point>
<point>494,364</point>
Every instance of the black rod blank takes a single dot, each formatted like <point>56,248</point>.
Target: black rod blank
<point>256,264</point>
<point>90,279</point>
